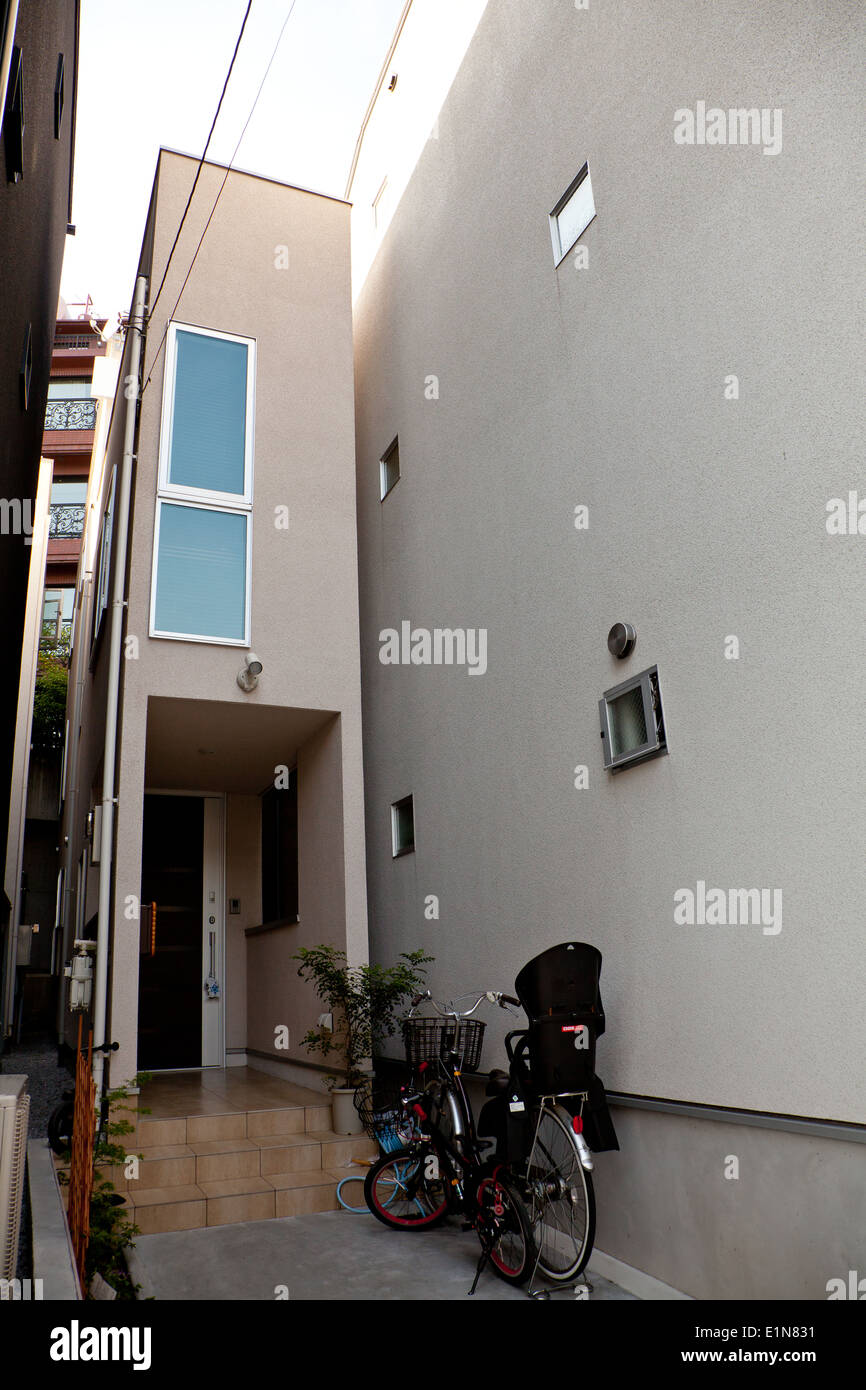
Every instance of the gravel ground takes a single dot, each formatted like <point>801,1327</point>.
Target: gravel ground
<point>46,1081</point>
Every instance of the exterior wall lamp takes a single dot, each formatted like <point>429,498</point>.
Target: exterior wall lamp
<point>248,676</point>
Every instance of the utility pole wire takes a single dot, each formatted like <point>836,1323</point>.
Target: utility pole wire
<point>219,193</point>
<point>201,161</point>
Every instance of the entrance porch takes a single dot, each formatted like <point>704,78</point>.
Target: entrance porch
<point>234,1144</point>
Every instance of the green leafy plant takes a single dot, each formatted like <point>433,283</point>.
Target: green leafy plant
<point>111,1234</point>
<point>49,704</point>
<point>364,1001</point>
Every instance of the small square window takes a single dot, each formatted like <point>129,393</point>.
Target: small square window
<point>389,470</point>
<point>632,723</point>
<point>402,827</point>
<point>572,215</point>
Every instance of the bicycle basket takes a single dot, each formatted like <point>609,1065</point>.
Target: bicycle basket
<point>427,1038</point>
<point>383,1115</point>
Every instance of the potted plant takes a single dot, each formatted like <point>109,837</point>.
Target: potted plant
<point>363,1001</point>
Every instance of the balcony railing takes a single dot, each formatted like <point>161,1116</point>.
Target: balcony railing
<point>70,415</point>
<point>65,519</point>
<point>75,340</point>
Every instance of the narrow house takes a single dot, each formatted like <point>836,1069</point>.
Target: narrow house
<point>225,830</point>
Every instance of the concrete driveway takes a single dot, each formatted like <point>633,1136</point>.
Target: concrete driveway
<point>328,1256</point>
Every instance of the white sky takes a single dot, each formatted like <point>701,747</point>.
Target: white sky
<point>151,72</point>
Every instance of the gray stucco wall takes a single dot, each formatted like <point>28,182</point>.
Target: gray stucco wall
<point>605,386</point>
<point>792,1219</point>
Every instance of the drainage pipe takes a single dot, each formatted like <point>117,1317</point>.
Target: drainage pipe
<point>118,602</point>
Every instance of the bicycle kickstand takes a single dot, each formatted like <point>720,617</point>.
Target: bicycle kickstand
<point>485,1256</point>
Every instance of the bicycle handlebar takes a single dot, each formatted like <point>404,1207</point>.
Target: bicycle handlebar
<point>493,996</point>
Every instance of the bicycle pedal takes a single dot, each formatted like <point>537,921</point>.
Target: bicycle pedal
<point>467,1225</point>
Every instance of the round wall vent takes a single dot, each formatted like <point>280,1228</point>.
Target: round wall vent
<point>621,640</point>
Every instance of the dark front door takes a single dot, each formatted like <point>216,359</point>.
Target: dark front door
<point>170,980</point>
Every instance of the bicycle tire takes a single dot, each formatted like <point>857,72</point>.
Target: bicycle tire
<point>60,1127</point>
<point>401,1196</point>
<point>561,1195</point>
<point>514,1253</point>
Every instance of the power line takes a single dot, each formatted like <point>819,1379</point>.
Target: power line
<point>201,162</point>
<point>219,193</point>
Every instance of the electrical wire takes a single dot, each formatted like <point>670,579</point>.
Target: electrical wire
<point>219,193</point>
<point>200,163</point>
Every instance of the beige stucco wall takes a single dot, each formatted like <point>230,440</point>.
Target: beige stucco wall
<point>304,625</point>
<point>244,881</point>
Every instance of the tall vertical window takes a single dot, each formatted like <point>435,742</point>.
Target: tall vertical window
<point>201,572</point>
<point>280,852</point>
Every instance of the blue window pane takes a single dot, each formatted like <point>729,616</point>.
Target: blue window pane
<point>210,406</point>
<point>201,572</point>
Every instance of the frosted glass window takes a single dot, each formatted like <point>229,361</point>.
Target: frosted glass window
<point>201,573</point>
<point>69,491</point>
<point>208,431</point>
<point>572,215</point>
<point>72,389</point>
<point>627,722</point>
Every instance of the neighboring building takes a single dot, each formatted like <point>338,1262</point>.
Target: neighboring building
<point>239,824</point>
<point>33,858</point>
<point>647,429</point>
<point>38,78</point>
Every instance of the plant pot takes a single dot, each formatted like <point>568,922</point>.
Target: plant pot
<point>346,1119</point>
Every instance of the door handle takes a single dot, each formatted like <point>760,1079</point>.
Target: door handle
<point>147,931</point>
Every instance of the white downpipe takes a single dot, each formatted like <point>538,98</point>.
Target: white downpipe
<point>100,980</point>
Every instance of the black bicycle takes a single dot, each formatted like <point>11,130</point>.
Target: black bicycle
<point>444,1169</point>
<point>532,1201</point>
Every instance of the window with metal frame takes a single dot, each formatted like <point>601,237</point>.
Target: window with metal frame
<point>632,721</point>
<point>202,541</point>
<point>572,215</point>
<point>402,827</point>
<point>389,469</point>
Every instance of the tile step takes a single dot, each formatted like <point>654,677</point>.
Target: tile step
<point>222,1160</point>
<point>236,1124</point>
<point>185,1207</point>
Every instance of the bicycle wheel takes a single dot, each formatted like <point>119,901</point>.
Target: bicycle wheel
<point>399,1193</point>
<point>505,1230</point>
<point>561,1196</point>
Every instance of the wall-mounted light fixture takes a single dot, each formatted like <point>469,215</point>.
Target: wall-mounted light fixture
<point>248,676</point>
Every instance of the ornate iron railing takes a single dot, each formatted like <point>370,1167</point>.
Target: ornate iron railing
<point>65,519</point>
<point>70,415</point>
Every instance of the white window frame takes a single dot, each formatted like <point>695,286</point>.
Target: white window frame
<point>559,251</point>
<point>234,500</point>
<point>396,851</point>
<point>386,488</point>
<point>203,499</point>
<point>103,574</point>
<point>201,506</point>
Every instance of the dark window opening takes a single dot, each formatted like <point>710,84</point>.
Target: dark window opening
<point>13,119</point>
<point>280,852</point>
<point>58,97</point>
